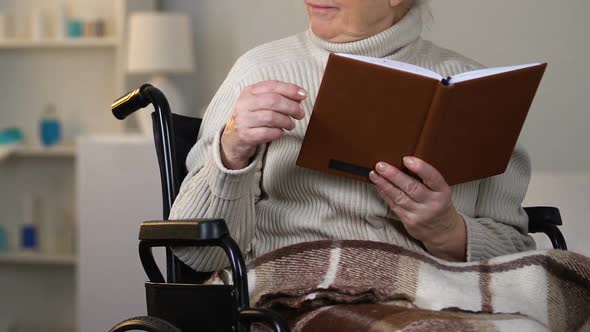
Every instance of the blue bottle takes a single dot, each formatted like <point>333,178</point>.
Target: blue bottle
<point>3,240</point>
<point>50,127</point>
<point>75,28</point>
<point>29,238</point>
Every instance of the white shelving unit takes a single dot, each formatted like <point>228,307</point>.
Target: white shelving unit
<point>80,77</point>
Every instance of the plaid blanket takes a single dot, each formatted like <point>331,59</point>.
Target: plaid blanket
<point>370,286</point>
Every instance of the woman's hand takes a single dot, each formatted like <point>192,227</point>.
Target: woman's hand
<point>425,208</point>
<point>262,113</point>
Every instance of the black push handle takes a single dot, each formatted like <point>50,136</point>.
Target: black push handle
<point>130,103</point>
<point>134,101</point>
<point>138,99</point>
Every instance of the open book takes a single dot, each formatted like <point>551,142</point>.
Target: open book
<point>370,110</point>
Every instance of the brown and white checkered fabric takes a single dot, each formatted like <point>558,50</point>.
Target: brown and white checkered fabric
<point>370,286</point>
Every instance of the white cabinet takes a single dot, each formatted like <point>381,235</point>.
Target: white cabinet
<point>119,187</point>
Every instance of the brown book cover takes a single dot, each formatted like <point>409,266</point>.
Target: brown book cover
<point>370,110</point>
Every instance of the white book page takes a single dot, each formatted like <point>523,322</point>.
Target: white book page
<point>471,75</point>
<point>409,68</point>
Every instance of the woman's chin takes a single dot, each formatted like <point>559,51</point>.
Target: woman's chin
<point>330,35</point>
<point>324,31</point>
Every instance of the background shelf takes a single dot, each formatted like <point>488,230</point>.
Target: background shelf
<point>38,259</point>
<point>46,152</point>
<point>65,43</point>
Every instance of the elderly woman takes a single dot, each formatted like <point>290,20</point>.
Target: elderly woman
<point>243,167</point>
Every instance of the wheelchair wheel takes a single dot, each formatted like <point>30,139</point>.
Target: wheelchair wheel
<point>144,323</point>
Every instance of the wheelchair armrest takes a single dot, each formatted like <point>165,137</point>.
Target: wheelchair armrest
<point>544,219</point>
<point>198,233</point>
<point>541,216</point>
<point>179,232</point>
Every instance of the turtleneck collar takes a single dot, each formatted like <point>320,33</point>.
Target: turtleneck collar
<point>384,44</point>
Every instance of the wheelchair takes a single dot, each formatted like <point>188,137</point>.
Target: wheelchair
<point>181,302</point>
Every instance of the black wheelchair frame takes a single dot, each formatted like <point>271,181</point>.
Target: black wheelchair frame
<point>182,302</point>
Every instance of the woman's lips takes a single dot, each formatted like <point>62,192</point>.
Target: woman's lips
<point>322,9</point>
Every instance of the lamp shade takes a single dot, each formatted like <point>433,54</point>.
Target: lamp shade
<point>159,43</point>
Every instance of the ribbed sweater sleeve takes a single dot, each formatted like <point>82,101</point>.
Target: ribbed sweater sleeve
<point>500,224</point>
<point>212,191</point>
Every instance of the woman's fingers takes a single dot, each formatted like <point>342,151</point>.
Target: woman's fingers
<point>273,101</point>
<point>287,90</point>
<point>410,186</point>
<point>263,135</point>
<point>429,175</point>
<point>392,194</point>
<point>270,119</point>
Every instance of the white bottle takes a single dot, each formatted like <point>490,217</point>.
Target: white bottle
<point>61,21</point>
<point>38,24</point>
<point>64,232</point>
<point>3,26</point>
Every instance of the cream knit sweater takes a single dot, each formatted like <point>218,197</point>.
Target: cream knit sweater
<point>273,203</point>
